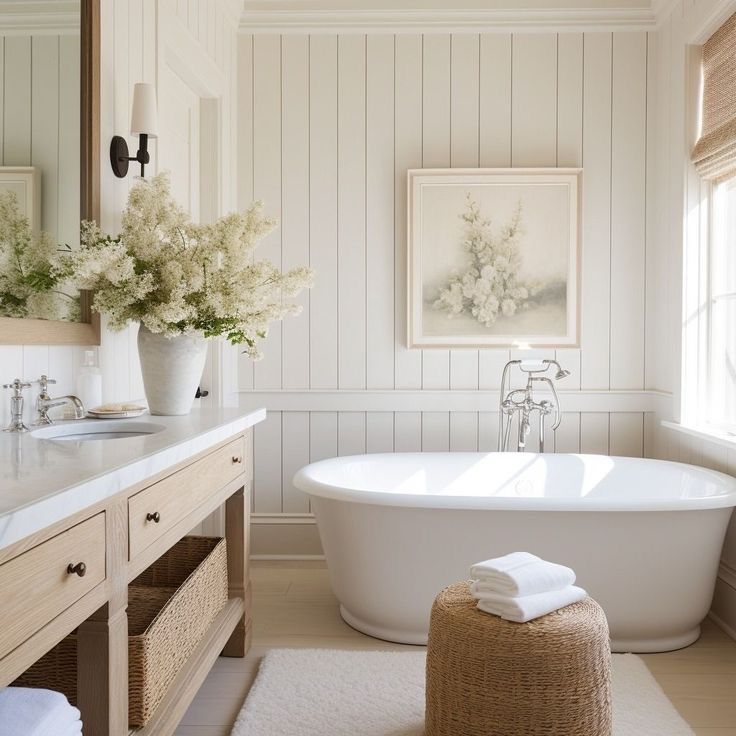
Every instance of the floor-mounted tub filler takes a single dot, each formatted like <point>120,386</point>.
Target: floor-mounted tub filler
<point>644,536</point>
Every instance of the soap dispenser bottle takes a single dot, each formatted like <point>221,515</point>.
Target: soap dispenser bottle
<point>89,381</point>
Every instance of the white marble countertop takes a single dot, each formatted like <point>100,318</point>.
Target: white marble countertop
<point>43,481</point>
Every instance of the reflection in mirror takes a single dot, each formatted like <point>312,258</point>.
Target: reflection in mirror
<point>39,159</point>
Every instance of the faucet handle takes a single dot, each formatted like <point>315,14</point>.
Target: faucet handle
<point>17,385</point>
<point>44,382</point>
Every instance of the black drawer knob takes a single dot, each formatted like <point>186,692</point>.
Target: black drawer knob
<point>155,517</point>
<point>237,459</point>
<point>79,569</point>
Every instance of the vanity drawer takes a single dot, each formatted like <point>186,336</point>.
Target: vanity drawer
<point>153,511</point>
<point>37,586</point>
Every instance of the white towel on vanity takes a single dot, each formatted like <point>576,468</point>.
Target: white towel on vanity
<point>528,607</point>
<point>35,712</point>
<point>517,574</point>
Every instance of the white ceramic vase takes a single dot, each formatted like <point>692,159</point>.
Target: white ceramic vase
<point>172,368</point>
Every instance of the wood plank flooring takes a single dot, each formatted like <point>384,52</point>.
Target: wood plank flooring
<point>294,607</point>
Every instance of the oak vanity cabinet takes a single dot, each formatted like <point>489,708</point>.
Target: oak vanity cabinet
<point>74,575</point>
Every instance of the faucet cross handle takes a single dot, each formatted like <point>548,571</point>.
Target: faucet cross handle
<point>44,382</point>
<point>17,385</point>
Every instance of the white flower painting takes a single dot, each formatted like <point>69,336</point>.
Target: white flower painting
<point>493,258</point>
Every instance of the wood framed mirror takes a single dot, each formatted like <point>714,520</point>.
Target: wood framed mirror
<point>40,151</point>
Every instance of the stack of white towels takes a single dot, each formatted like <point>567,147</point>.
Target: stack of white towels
<point>34,712</point>
<point>520,586</point>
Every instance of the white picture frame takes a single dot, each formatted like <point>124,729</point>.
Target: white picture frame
<point>25,181</point>
<point>494,258</point>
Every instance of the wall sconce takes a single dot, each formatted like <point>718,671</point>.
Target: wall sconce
<point>144,124</point>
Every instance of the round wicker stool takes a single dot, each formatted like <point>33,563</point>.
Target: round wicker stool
<point>490,677</point>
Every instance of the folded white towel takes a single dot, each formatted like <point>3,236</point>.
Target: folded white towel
<point>519,573</point>
<point>528,607</point>
<point>35,712</point>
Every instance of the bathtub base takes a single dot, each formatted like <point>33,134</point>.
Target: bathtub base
<point>419,638</point>
<point>380,632</point>
<point>648,646</point>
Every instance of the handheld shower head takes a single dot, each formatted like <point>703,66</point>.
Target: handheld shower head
<point>561,372</point>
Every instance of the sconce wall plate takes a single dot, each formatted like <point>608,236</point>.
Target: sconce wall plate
<point>119,156</point>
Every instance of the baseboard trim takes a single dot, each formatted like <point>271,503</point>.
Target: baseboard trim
<point>260,518</point>
<point>727,574</point>
<point>295,558</point>
<point>721,624</point>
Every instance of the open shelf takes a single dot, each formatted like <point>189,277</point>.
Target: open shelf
<point>191,676</point>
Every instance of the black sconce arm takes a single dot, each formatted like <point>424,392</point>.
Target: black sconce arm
<point>120,155</point>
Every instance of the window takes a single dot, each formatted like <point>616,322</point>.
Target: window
<point>721,372</point>
<point>709,299</point>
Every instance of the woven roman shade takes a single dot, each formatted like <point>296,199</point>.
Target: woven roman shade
<point>714,154</point>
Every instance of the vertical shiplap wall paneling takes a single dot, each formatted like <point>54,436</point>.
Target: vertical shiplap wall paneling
<point>379,104</point>
<point>351,433</point>
<point>295,199</point>
<point>68,154</point>
<point>379,431</point>
<point>323,112</point>
<point>267,180</point>
<point>45,125</point>
<point>245,153</point>
<point>628,232</point>
<point>351,214</point>
<point>407,155</point>
<point>379,215</point>
<point>294,455</point>
<point>494,148</point>
<point>596,233</point>
<point>17,108</point>
<point>569,154</point>
<point>436,122</point>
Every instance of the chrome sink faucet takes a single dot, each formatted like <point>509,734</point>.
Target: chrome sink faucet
<point>44,402</point>
<point>520,403</point>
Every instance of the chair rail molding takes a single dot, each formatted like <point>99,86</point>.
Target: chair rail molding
<point>450,400</point>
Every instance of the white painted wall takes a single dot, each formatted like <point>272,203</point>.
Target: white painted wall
<point>329,124</point>
<point>142,40</point>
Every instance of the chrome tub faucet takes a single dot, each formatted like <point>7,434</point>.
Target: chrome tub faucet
<point>520,402</point>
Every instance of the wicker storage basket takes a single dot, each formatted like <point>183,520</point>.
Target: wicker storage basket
<point>490,677</point>
<point>170,607</point>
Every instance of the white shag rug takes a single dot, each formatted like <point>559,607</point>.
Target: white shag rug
<point>324,692</point>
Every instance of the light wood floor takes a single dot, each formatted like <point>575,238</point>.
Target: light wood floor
<point>294,607</point>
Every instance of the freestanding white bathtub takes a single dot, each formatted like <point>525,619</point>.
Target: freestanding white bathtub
<point>644,536</point>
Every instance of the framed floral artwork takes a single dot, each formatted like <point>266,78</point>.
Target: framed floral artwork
<point>493,258</point>
<point>25,181</point>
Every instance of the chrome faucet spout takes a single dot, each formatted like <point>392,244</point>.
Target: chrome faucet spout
<point>44,402</point>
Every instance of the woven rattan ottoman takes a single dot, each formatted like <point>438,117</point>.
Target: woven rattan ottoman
<point>490,677</point>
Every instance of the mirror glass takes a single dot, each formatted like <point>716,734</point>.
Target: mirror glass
<point>39,157</point>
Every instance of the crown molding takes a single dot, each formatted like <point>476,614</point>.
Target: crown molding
<point>300,16</point>
<point>38,17</point>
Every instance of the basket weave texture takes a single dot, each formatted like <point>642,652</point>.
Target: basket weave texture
<point>170,607</point>
<point>491,677</point>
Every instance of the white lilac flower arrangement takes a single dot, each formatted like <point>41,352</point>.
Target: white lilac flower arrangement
<point>31,281</point>
<point>491,286</point>
<point>175,276</point>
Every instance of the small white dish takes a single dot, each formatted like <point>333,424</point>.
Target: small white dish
<point>128,414</point>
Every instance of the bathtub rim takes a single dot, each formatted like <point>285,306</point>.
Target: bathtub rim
<point>305,481</point>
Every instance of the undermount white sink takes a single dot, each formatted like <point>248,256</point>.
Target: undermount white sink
<point>97,429</point>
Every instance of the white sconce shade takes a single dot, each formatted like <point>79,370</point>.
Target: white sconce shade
<point>144,118</point>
